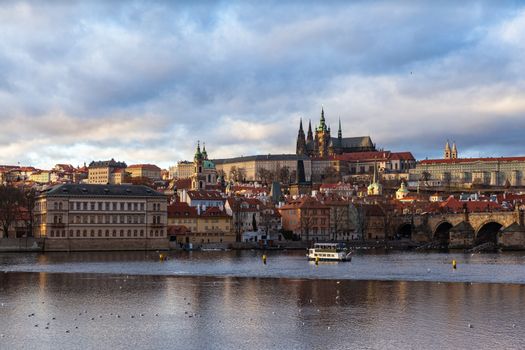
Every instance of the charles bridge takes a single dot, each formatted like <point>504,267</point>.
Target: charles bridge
<point>463,230</point>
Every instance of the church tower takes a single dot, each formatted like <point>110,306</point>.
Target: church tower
<point>301,142</point>
<point>322,138</point>
<point>447,153</point>
<point>454,154</point>
<point>310,136</point>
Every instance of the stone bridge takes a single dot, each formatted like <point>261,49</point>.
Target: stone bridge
<point>455,229</point>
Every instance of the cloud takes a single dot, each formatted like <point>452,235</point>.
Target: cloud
<point>143,81</point>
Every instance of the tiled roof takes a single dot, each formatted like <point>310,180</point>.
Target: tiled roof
<point>90,190</point>
<point>181,210</point>
<point>144,166</point>
<point>205,195</point>
<point>472,160</point>
<point>215,212</point>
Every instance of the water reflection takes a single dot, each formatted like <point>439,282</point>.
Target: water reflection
<point>204,312</point>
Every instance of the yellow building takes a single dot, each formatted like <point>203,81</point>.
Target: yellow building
<point>101,217</point>
<point>150,171</point>
<point>41,176</point>
<point>211,226</point>
<point>107,172</point>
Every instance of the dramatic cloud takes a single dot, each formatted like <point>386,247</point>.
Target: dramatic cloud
<point>143,81</point>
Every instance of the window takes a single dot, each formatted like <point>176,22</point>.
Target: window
<point>114,233</point>
<point>121,233</point>
<point>141,206</point>
<point>92,206</point>
<point>107,233</point>
<point>100,233</point>
<point>92,233</point>
<point>78,233</point>
<point>141,233</point>
<point>84,233</point>
<point>52,233</point>
<point>134,233</point>
<point>129,233</point>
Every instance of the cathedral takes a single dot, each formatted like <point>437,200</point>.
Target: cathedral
<point>322,144</point>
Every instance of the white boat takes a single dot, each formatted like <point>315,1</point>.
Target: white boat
<point>329,252</point>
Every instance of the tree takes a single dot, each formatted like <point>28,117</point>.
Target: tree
<point>284,175</point>
<point>254,223</point>
<point>330,175</point>
<point>339,219</point>
<point>29,201</point>
<point>425,177</point>
<point>264,175</point>
<point>241,175</point>
<point>233,173</point>
<point>11,199</point>
<point>306,222</point>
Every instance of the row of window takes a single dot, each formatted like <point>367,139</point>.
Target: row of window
<point>107,233</point>
<point>135,206</point>
<point>109,219</point>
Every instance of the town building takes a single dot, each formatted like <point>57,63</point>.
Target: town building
<point>183,170</point>
<point>211,226</point>
<point>106,172</point>
<point>322,144</point>
<point>468,172</point>
<point>101,217</point>
<point>40,176</point>
<point>149,171</point>
<point>307,218</point>
<point>201,199</point>
<point>250,168</point>
<point>245,213</point>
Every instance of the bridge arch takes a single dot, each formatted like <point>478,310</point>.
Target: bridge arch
<point>442,232</point>
<point>488,232</point>
<point>405,230</point>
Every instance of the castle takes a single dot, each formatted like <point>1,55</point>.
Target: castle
<point>323,144</point>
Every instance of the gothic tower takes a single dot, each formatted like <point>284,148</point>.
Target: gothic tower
<point>322,138</point>
<point>447,151</point>
<point>301,142</point>
<point>310,136</point>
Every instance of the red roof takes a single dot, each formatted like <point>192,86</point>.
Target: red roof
<point>145,166</point>
<point>456,205</point>
<point>365,156</point>
<point>215,212</point>
<point>402,156</point>
<point>205,195</point>
<point>181,210</point>
<point>472,160</point>
<point>183,184</point>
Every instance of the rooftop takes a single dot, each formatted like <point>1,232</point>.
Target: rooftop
<point>91,190</point>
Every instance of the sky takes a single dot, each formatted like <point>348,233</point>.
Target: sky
<point>143,81</point>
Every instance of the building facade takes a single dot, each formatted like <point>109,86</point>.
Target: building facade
<point>150,171</point>
<point>106,172</point>
<point>204,173</point>
<point>87,216</point>
<point>252,166</point>
<point>502,171</point>
<point>307,218</point>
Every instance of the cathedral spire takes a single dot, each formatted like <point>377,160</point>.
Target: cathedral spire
<point>310,136</point>
<point>198,154</point>
<point>301,142</point>
<point>339,132</point>
<point>454,154</point>
<point>447,151</point>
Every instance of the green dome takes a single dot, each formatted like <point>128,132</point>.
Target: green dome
<point>208,164</point>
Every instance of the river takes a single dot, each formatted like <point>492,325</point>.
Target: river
<point>224,300</point>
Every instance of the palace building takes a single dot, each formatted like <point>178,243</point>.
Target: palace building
<point>322,144</point>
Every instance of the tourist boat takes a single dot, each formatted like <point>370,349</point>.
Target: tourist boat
<point>329,252</point>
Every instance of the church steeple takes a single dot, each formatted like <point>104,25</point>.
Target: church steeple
<point>447,153</point>
<point>339,132</point>
<point>322,122</point>
<point>310,136</point>
<point>198,154</point>
<point>301,142</point>
<point>454,154</point>
<point>204,153</point>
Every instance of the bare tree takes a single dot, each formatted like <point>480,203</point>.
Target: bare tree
<point>339,220</point>
<point>11,199</point>
<point>284,175</point>
<point>264,175</point>
<point>306,222</point>
<point>425,177</point>
<point>331,175</point>
<point>29,201</point>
